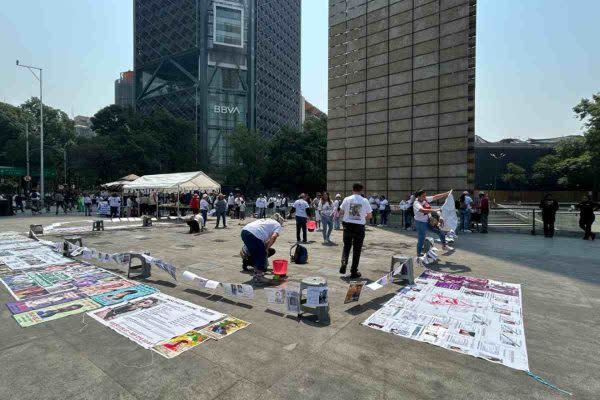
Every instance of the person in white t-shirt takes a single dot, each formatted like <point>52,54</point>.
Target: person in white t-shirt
<point>258,237</point>
<point>114,202</point>
<point>336,211</point>
<point>384,210</point>
<point>423,213</point>
<point>299,208</point>
<point>261,206</point>
<point>354,211</point>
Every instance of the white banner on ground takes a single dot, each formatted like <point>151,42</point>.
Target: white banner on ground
<point>155,318</point>
<point>478,317</point>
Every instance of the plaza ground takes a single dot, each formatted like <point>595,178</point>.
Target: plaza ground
<point>279,357</point>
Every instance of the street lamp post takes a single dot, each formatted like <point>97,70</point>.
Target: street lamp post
<point>40,79</point>
<point>27,153</point>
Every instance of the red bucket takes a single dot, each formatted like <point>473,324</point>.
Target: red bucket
<point>280,267</point>
<point>311,226</point>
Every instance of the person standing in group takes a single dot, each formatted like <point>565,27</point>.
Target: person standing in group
<point>195,203</point>
<point>299,209</point>
<point>336,211</point>
<point>549,208</point>
<point>221,207</point>
<point>423,212</point>
<point>586,216</point>
<point>129,206</point>
<point>19,202</point>
<point>315,207</point>
<point>59,200</point>
<point>326,211</point>
<point>374,203</point>
<point>261,206</point>
<point>258,237</point>
<point>465,212</point>
<point>242,208</point>
<point>355,211</point>
<point>34,197</point>
<point>87,204</point>
<point>238,201</point>
<point>204,206</point>
<point>484,206</point>
<point>114,202</point>
<point>230,203</point>
<point>384,210</point>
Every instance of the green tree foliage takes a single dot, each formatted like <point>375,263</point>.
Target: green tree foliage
<point>249,158</point>
<point>515,176</point>
<point>11,126</point>
<point>589,111</point>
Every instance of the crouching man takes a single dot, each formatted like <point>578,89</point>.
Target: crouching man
<point>258,237</point>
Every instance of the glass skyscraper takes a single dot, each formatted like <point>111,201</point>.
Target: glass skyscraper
<point>216,63</point>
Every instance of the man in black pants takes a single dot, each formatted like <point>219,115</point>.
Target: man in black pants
<point>587,217</point>
<point>354,211</point>
<point>299,209</point>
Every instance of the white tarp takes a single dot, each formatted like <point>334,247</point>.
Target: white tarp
<point>478,317</point>
<point>449,214</point>
<point>197,180</point>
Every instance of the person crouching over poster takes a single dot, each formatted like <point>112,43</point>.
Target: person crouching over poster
<point>258,237</point>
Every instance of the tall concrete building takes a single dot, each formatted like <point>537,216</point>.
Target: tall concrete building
<point>125,89</point>
<point>401,95</point>
<point>220,64</point>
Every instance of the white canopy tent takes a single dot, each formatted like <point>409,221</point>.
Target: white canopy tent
<point>181,181</point>
<point>197,180</point>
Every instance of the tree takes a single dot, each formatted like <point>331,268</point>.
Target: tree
<point>569,167</point>
<point>249,158</point>
<point>589,111</point>
<point>110,120</point>
<point>515,176</point>
<point>297,159</point>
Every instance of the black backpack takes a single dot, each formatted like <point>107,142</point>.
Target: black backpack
<point>299,255</point>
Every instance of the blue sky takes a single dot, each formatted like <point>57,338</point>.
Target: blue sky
<point>535,58</point>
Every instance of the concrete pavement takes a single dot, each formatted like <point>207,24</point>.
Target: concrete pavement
<point>279,357</point>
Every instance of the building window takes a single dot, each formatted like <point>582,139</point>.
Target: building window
<point>228,25</point>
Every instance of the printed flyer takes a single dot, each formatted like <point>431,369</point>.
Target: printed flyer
<point>178,344</point>
<point>54,312</point>
<point>17,307</point>
<point>123,294</point>
<point>224,328</point>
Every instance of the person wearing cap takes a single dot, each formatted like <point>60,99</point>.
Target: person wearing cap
<point>484,206</point>
<point>258,237</point>
<point>336,211</point>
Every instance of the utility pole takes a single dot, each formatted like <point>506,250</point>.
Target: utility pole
<point>27,155</point>
<point>40,79</point>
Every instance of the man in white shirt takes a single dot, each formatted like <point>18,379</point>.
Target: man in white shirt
<point>423,211</point>
<point>465,212</point>
<point>114,202</point>
<point>374,203</point>
<point>299,208</point>
<point>261,206</point>
<point>204,209</point>
<point>258,237</point>
<point>354,211</point>
<point>230,203</point>
<point>383,210</point>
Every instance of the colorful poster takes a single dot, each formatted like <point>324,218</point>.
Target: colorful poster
<point>103,287</point>
<point>34,258</point>
<point>123,294</point>
<point>54,312</point>
<point>178,344</point>
<point>316,296</point>
<point>478,317</point>
<point>354,290</point>
<point>17,307</point>
<point>225,327</point>
<point>154,318</point>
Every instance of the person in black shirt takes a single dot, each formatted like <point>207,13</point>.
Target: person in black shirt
<point>549,207</point>
<point>586,216</point>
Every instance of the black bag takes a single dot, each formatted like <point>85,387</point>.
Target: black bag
<point>298,254</point>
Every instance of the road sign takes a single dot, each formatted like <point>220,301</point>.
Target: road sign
<point>27,178</point>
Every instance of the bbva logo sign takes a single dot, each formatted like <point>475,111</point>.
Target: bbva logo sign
<point>226,110</point>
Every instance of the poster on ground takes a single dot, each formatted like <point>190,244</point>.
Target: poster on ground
<point>154,318</point>
<point>473,316</point>
<point>54,312</point>
<point>178,344</point>
<point>17,307</point>
<point>123,294</point>
<point>317,296</point>
<point>225,327</point>
<point>239,290</point>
